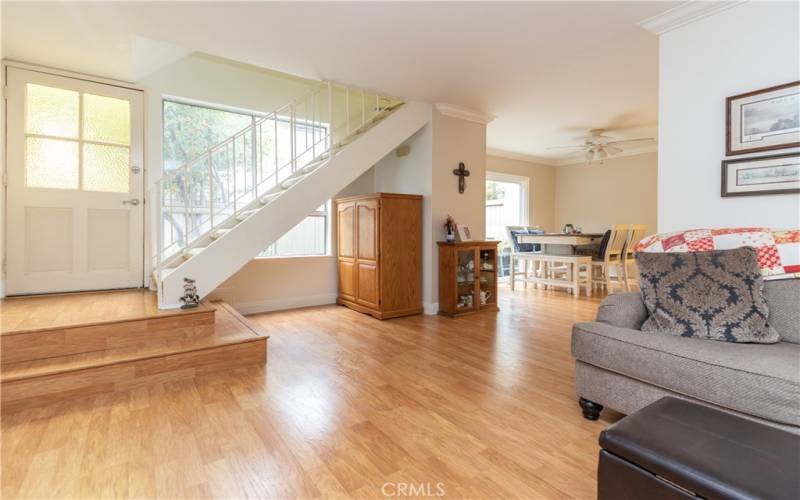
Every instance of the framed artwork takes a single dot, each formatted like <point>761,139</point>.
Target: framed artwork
<point>763,120</point>
<point>775,174</point>
<point>464,233</point>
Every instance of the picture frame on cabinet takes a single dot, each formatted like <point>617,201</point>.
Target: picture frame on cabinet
<point>463,233</point>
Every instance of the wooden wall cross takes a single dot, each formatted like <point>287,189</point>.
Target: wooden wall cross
<point>461,172</point>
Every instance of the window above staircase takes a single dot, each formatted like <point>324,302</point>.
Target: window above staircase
<point>236,199</point>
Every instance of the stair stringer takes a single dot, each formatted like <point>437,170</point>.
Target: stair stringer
<point>226,255</point>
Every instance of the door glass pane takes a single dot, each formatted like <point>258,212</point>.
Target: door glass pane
<point>51,111</point>
<point>106,119</point>
<point>51,163</point>
<point>106,168</point>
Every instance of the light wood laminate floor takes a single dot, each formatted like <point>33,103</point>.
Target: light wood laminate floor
<point>348,406</point>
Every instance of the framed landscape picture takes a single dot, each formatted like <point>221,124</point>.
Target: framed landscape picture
<point>763,120</point>
<point>775,174</point>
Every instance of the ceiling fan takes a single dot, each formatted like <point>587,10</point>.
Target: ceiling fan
<point>597,146</point>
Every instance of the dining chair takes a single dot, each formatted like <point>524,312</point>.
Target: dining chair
<point>522,252</point>
<point>635,233</point>
<point>611,258</point>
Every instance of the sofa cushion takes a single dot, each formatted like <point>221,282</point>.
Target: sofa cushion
<point>783,300</point>
<point>715,295</point>
<point>625,310</point>
<point>762,380</point>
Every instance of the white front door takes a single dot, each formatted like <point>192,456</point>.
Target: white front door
<point>75,184</point>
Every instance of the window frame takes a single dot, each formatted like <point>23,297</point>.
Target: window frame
<point>255,115</point>
<point>326,215</point>
<point>524,181</point>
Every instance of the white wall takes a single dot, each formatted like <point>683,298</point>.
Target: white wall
<point>751,46</point>
<point>594,197</point>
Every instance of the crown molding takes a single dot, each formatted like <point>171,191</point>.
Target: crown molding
<point>464,113</point>
<point>500,153</point>
<point>653,148</point>
<point>685,13</point>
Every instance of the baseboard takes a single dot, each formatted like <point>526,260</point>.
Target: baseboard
<point>260,306</point>
<point>431,308</point>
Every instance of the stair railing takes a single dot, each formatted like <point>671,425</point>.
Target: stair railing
<point>209,191</point>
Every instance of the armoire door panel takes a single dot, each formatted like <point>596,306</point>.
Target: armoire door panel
<point>367,230</point>
<point>347,279</point>
<point>368,279</point>
<point>346,229</point>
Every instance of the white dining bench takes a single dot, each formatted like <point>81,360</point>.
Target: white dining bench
<point>578,272</point>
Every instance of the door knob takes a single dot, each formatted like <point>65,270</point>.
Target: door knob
<point>132,201</point>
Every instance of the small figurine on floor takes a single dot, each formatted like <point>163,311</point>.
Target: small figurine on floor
<point>190,298</point>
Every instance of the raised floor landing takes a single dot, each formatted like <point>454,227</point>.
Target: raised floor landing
<point>41,312</point>
<point>68,347</point>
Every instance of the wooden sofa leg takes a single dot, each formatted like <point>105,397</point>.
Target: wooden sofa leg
<point>591,410</point>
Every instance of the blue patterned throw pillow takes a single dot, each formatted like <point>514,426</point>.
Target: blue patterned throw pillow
<point>716,295</point>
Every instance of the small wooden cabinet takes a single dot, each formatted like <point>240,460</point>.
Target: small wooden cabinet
<point>380,253</point>
<point>467,277</point>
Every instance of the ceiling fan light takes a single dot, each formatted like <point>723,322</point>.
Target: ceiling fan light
<point>590,155</point>
<point>602,154</point>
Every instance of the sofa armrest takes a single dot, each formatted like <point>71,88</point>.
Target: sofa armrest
<point>625,310</point>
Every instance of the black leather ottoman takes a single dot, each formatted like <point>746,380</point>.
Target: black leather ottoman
<point>678,449</point>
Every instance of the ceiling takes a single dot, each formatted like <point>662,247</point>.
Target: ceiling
<point>548,71</point>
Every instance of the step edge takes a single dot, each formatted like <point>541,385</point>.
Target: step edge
<point>4,380</point>
<point>92,351</point>
<point>256,330</point>
<point>207,308</point>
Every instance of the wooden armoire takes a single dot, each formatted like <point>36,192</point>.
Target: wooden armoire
<point>379,241</point>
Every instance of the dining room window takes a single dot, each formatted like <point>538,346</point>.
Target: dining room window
<point>506,205</point>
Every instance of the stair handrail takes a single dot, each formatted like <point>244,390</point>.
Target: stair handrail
<point>174,173</point>
<point>322,141</point>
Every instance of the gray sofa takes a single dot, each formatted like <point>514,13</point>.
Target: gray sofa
<point>621,367</point>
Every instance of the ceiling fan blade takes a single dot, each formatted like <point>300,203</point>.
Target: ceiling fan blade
<point>613,150</point>
<point>581,146</point>
<point>574,153</point>
<point>625,141</point>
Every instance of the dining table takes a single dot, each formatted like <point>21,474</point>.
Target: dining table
<point>561,243</point>
<point>557,250</point>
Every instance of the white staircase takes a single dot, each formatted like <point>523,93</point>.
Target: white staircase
<point>225,207</point>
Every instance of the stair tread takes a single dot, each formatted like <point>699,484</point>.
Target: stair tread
<point>229,328</point>
<point>53,312</point>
